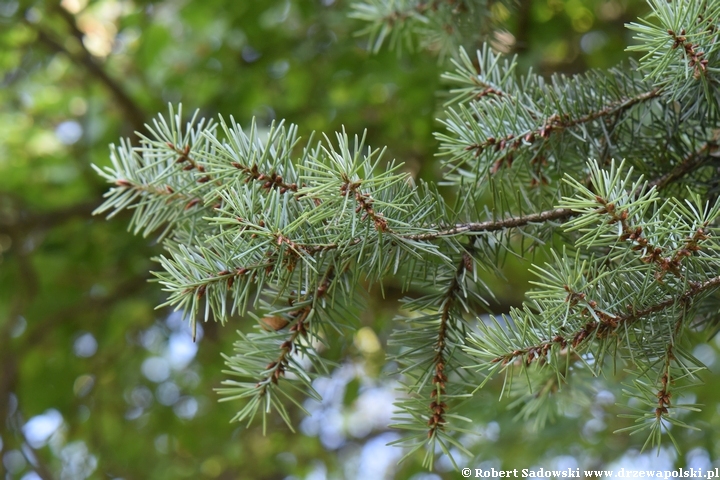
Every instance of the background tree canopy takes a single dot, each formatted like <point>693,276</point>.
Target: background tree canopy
<point>95,382</point>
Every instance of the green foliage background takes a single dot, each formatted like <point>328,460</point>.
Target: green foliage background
<point>106,67</point>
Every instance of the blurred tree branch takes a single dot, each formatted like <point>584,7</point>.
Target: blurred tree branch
<point>25,220</point>
<point>134,114</point>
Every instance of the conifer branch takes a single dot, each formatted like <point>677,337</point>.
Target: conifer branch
<point>435,25</point>
<point>275,221</point>
<point>556,123</point>
<point>594,306</point>
<point>364,204</point>
<point>691,52</point>
<point>664,394</point>
<point>652,253</point>
<point>167,191</point>
<point>486,77</point>
<point>689,28</point>
<point>438,407</point>
<point>528,136</point>
<point>298,330</point>
<point>557,214</point>
<point>692,161</point>
<point>268,180</point>
<point>608,324</point>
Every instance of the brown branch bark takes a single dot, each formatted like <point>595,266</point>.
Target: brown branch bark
<point>559,214</point>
